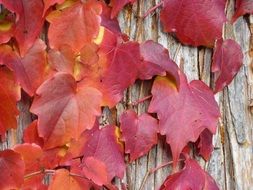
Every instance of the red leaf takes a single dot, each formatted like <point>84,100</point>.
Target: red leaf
<point>29,21</point>
<point>205,144</point>
<point>64,181</point>
<point>194,22</point>
<point>80,23</point>
<point>100,146</point>
<point>190,108</point>
<point>9,95</point>
<point>12,170</point>
<point>7,27</point>
<point>138,133</point>
<point>71,109</point>
<point>117,5</point>
<point>49,3</point>
<point>156,61</point>
<point>227,61</point>
<point>243,7</point>
<point>31,154</point>
<point>191,177</point>
<point>31,134</point>
<point>31,70</point>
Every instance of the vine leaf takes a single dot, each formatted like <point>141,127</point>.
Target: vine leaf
<point>71,109</point>
<point>12,170</point>
<point>28,23</point>
<point>49,3</point>
<point>194,23</point>
<point>31,155</point>
<point>243,7</point>
<point>31,134</point>
<point>190,108</point>
<point>192,176</point>
<point>64,181</point>
<point>100,146</point>
<point>227,61</point>
<point>117,5</point>
<point>138,133</point>
<point>9,95</point>
<point>80,23</point>
<point>205,144</point>
<point>31,70</point>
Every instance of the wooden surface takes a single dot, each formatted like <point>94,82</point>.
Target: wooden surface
<point>231,163</point>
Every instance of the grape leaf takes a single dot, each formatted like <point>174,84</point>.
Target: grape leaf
<point>138,133</point>
<point>99,146</point>
<point>65,181</point>
<point>191,177</point>
<point>71,109</point>
<point>194,22</point>
<point>243,7</point>
<point>190,108</point>
<point>9,95</point>
<point>227,61</point>
<point>205,144</point>
<point>31,70</point>
<point>28,23</point>
<point>80,23</point>
<point>12,170</point>
<point>117,5</point>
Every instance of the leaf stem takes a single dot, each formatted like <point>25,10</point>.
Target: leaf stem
<point>43,171</point>
<point>152,9</point>
<point>140,100</point>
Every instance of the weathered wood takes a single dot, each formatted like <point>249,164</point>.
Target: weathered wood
<point>231,163</point>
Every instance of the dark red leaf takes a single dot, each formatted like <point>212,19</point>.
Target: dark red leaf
<point>29,21</point>
<point>192,177</point>
<point>243,7</point>
<point>31,134</point>
<point>190,108</point>
<point>138,133</point>
<point>227,61</point>
<point>12,169</point>
<point>72,108</point>
<point>194,22</point>
<point>205,144</point>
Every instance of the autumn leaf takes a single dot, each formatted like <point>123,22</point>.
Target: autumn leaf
<point>70,108</point>
<point>49,3</point>
<point>117,5</point>
<point>205,144</point>
<point>31,134</point>
<point>12,170</point>
<point>190,108</point>
<point>243,7</point>
<point>9,95</point>
<point>80,23</point>
<point>138,132</point>
<point>192,176</point>
<point>28,23</point>
<point>227,61</point>
<point>100,146</point>
<point>196,22</point>
<point>64,181</point>
<point>31,70</point>
<point>7,26</point>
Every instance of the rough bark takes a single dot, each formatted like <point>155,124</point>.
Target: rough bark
<point>231,163</point>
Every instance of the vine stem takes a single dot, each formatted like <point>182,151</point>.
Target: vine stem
<point>153,170</point>
<point>152,9</point>
<point>140,100</point>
